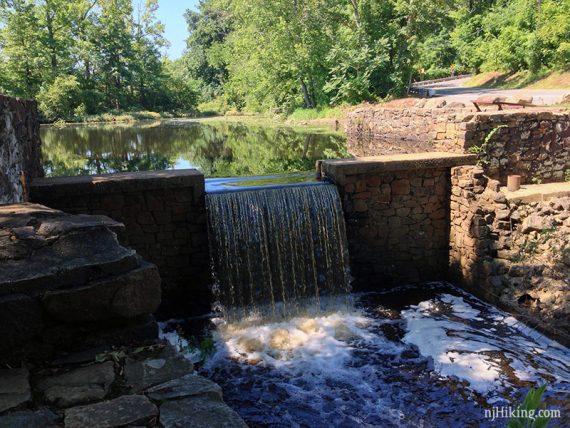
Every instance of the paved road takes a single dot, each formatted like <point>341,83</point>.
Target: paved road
<point>455,91</point>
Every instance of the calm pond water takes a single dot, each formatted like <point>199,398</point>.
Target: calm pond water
<point>217,148</point>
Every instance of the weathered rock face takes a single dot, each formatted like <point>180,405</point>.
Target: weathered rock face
<point>511,252</point>
<point>20,150</point>
<point>65,279</point>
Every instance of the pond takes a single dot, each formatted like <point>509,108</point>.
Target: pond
<point>218,147</point>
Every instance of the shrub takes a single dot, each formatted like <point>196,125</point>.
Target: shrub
<point>60,99</point>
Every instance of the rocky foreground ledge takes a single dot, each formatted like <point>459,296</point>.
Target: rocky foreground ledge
<point>79,345</point>
<point>150,386</point>
<point>66,283</point>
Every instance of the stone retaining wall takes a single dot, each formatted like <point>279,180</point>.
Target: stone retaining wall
<point>165,222</point>
<point>20,151</point>
<point>396,210</point>
<point>511,252</point>
<point>533,144</point>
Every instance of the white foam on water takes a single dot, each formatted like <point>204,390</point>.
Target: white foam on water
<point>179,343</point>
<point>317,344</point>
<point>340,368</point>
<point>460,350</point>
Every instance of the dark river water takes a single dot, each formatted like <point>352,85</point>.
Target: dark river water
<point>217,148</point>
<point>419,356</point>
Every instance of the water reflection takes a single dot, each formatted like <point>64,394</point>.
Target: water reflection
<point>219,149</point>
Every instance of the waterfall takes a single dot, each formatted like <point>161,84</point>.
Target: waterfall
<point>276,249</point>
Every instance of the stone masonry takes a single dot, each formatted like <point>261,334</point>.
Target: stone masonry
<point>512,252</point>
<point>20,148</point>
<point>165,222</point>
<point>532,143</point>
<point>396,210</point>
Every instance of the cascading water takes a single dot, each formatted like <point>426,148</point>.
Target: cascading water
<point>427,355</point>
<point>275,248</point>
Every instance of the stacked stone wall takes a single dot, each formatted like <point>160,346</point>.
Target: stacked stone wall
<point>20,150</point>
<point>510,252</point>
<point>531,143</point>
<point>396,213</point>
<point>165,222</point>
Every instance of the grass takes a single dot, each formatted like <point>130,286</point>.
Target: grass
<point>523,79</point>
<point>326,112</point>
<point>126,117</point>
<point>268,122</point>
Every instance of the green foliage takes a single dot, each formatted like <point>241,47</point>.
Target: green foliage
<point>482,150</point>
<point>280,56</point>
<point>261,56</point>
<point>530,247</point>
<point>115,356</point>
<point>60,100</point>
<point>326,112</point>
<point>86,57</point>
<point>530,405</point>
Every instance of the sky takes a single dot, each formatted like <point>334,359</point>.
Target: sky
<point>171,14</point>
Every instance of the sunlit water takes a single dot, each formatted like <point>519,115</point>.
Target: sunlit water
<point>218,148</point>
<point>426,356</point>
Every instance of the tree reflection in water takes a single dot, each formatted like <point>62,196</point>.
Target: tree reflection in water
<point>219,149</point>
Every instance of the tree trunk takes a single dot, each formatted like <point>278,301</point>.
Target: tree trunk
<point>51,41</point>
<point>306,96</point>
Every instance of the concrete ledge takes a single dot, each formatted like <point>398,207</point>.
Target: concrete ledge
<point>400,162</point>
<point>538,192</point>
<point>120,182</point>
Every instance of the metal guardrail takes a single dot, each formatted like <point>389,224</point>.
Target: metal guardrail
<point>444,79</point>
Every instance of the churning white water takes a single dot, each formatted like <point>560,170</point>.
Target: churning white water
<point>439,361</point>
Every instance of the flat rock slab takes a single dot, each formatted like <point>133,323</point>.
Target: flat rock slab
<point>73,259</point>
<point>122,411</point>
<point>186,386</point>
<point>78,386</point>
<point>199,412</point>
<point>166,366</point>
<point>14,388</point>
<point>30,419</point>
